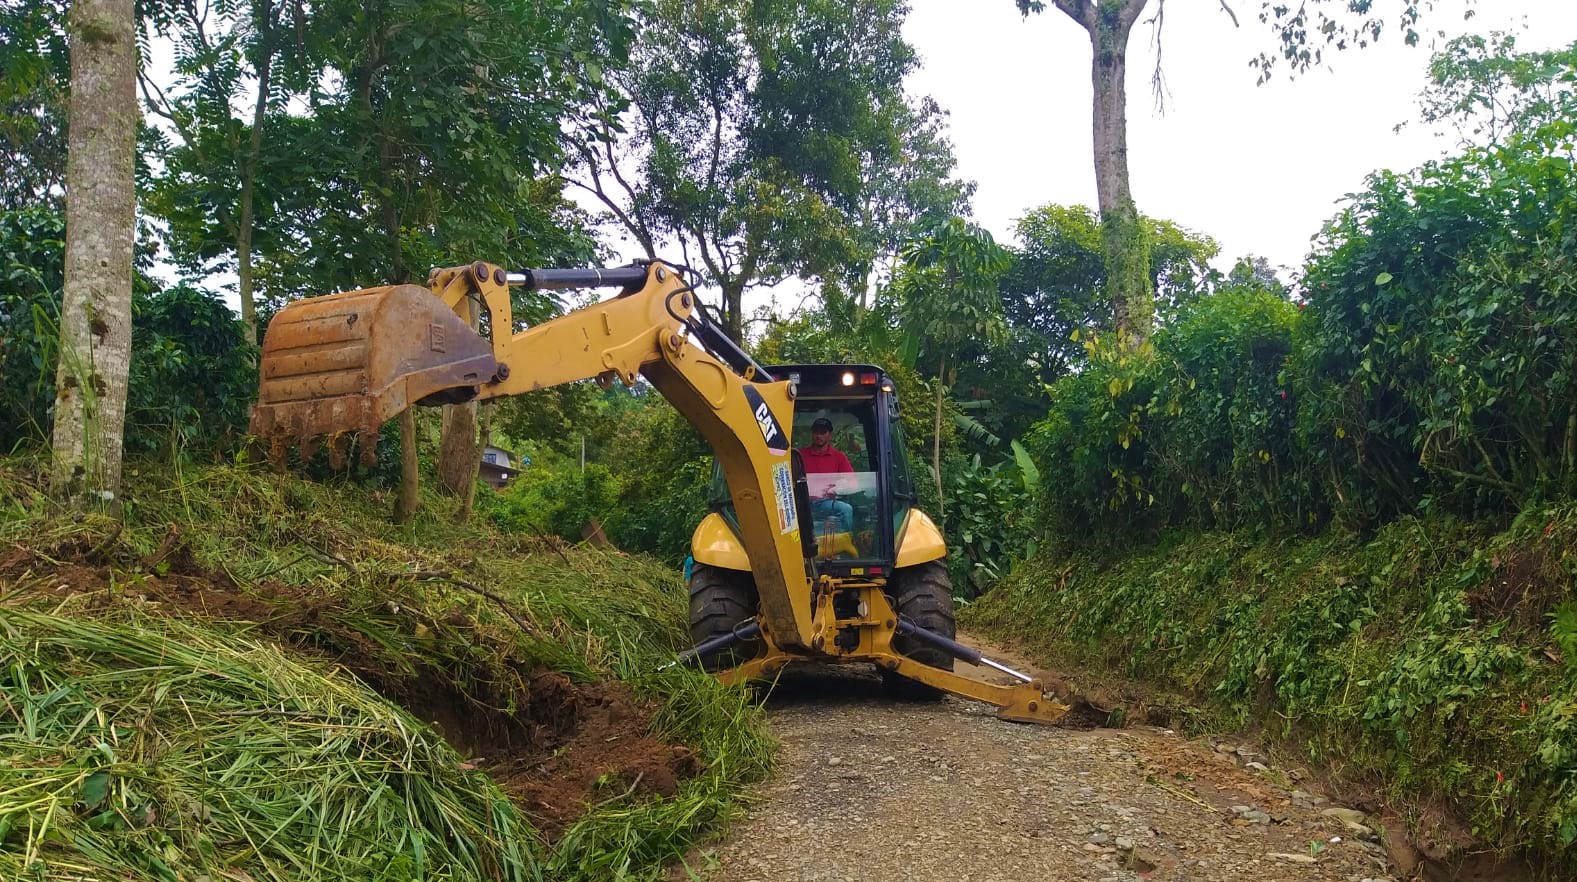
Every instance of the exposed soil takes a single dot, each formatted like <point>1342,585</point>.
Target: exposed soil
<point>1519,589</point>
<point>554,745</point>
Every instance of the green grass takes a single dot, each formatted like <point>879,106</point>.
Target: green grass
<point>1424,665</point>
<point>401,604</point>
<point>157,749</point>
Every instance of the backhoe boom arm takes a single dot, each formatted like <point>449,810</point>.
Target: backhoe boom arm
<point>346,363</point>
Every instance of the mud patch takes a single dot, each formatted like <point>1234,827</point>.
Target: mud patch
<point>555,746</point>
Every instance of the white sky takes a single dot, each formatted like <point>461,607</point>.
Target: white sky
<point>1259,168</point>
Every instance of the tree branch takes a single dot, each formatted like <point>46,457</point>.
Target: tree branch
<point>637,229</point>
<point>1157,78</point>
<point>613,167</point>
<point>706,258</point>
<point>1081,11</point>
<point>1233,15</point>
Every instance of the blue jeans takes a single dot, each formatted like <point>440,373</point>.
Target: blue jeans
<point>822,509</point>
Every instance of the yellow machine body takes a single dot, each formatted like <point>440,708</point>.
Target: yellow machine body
<point>714,542</point>
<point>342,364</point>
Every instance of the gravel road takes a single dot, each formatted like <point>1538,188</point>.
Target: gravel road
<point>868,789</point>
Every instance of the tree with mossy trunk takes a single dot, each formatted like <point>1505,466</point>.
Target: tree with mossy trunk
<point>95,313</point>
<point>1109,23</point>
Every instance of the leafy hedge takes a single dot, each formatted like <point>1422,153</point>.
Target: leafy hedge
<point>1432,365</point>
<point>1196,430</point>
<point>192,375</point>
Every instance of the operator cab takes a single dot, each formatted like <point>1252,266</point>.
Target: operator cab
<point>853,515</point>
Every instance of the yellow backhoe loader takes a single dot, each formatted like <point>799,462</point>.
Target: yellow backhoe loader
<point>855,576</point>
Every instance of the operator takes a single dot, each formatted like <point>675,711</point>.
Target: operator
<point>821,458</point>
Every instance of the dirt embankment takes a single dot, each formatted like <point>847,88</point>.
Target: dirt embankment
<point>552,744</point>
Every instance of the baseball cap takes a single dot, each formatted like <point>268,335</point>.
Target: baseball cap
<point>821,425</point>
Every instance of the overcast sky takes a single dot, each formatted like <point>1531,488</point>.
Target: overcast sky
<point>1259,168</point>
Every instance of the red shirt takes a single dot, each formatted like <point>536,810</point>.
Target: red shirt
<point>828,460</point>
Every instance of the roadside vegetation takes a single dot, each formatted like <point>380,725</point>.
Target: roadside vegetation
<point>1345,518</point>
<point>256,674</point>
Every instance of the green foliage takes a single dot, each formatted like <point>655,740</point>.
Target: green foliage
<point>1433,365</point>
<point>32,249</point>
<point>645,480</point>
<point>394,137</point>
<point>1563,629</point>
<point>34,71</point>
<point>947,287</point>
<point>1197,429</point>
<point>589,613</point>
<point>774,139</point>
<point>1056,283</point>
<point>1490,92</point>
<point>991,522</point>
<point>193,375</point>
<point>554,497</point>
<point>665,470</point>
<point>1437,355</point>
<point>1423,656</point>
<point>1306,30</point>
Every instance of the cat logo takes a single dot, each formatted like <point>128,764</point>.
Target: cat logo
<point>768,427</point>
<point>771,431</point>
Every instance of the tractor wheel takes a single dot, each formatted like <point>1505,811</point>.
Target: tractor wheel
<point>719,601</point>
<point>923,594</point>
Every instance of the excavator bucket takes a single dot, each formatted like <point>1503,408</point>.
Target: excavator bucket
<point>344,364</point>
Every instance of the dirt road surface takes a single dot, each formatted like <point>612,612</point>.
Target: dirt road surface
<point>868,789</point>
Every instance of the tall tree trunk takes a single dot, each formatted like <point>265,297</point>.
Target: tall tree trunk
<point>243,235</point>
<point>458,457</point>
<point>95,312</point>
<point>936,438</point>
<point>1123,241</point>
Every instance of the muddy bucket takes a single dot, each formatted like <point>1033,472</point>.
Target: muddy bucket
<point>347,363</point>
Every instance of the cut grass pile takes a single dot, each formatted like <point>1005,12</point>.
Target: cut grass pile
<point>458,623</point>
<point>162,750</point>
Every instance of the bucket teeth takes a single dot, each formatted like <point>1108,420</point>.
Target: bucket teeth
<point>339,447</point>
<point>309,446</point>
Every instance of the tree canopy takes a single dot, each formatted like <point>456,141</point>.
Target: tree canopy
<point>769,140</point>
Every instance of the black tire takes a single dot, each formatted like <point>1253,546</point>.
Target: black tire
<point>720,600</point>
<point>923,594</point>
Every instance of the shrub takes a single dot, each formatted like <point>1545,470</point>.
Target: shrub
<point>991,520</point>
<point>1438,354</point>
<point>32,246</point>
<point>1196,429</point>
<point>192,375</point>
<point>1222,435</point>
